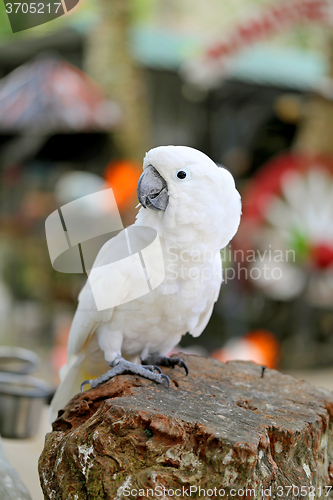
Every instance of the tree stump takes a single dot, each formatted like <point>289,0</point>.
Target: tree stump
<point>222,432</point>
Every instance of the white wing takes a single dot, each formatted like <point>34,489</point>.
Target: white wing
<point>117,277</point>
<point>213,291</point>
<point>110,278</point>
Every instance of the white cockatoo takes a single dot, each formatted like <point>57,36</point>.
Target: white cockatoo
<point>195,209</point>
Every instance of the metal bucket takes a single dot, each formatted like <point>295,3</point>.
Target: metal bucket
<point>21,402</point>
<point>18,360</point>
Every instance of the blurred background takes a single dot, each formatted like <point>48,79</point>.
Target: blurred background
<point>248,82</point>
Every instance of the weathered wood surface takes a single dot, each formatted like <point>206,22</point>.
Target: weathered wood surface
<point>221,427</point>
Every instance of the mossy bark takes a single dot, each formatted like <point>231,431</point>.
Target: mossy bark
<point>221,427</point>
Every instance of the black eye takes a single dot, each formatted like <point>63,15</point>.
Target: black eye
<point>181,174</point>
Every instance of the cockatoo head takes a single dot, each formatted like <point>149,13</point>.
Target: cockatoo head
<point>189,193</point>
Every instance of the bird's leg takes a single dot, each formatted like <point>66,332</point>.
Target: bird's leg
<point>157,359</point>
<point>120,367</point>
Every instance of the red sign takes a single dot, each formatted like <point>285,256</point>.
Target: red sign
<point>272,20</point>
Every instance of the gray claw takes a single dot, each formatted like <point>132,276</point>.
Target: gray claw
<point>157,359</point>
<point>121,366</point>
<point>86,382</point>
<point>182,364</point>
<point>153,368</point>
<point>166,378</point>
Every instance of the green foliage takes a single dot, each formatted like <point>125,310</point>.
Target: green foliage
<point>299,242</point>
<point>142,10</point>
<point>5,29</point>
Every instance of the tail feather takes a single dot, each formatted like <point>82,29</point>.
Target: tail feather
<point>72,376</point>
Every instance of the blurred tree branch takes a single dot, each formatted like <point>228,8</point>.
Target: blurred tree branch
<point>109,61</point>
<point>315,134</point>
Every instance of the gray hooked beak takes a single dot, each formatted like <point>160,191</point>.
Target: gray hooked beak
<point>152,190</point>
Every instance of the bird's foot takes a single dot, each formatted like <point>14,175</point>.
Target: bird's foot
<point>153,368</point>
<point>121,367</point>
<point>157,359</point>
